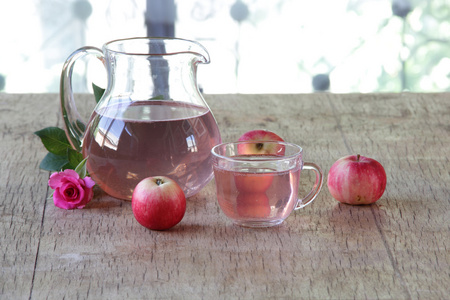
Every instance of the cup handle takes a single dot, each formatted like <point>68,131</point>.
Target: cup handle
<point>316,188</point>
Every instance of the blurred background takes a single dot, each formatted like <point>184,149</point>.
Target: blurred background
<point>256,46</point>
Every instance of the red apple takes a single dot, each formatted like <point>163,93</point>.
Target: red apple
<point>253,183</point>
<point>356,180</point>
<point>253,205</point>
<point>158,203</point>
<point>262,148</point>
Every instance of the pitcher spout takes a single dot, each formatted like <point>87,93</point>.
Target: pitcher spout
<point>200,52</point>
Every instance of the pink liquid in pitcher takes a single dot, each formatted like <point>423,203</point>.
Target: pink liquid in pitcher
<point>257,195</point>
<point>129,142</point>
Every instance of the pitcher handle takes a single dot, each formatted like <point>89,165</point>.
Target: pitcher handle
<point>74,124</point>
<point>316,188</point>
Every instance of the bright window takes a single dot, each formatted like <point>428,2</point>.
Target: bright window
<point>256,46</point>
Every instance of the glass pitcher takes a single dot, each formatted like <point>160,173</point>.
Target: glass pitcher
<point>151,120</point>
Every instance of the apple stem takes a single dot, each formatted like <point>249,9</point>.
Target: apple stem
<point>159,181</point>
<point>259,146</point>
<point>357,157</point>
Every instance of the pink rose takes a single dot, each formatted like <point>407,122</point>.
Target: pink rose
<point>71,191</point>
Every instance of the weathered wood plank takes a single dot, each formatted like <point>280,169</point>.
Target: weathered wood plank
<point>23,188</point>
<point>395,249</point>
<point>410,135</point>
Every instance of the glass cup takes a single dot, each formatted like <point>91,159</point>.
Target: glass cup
<point>257,182</point>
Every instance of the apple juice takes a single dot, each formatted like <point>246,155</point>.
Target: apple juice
<point>126,143</point>
<point>269,195</point>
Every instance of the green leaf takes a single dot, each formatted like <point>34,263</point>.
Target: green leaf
<point>54,140</point>
<point>159,97</point>
<point>52,162</point>
<point>81,168</point>
<point>81,125</point>
<point>51,196</point>
<point>98,92</point>
<point>74,158</point>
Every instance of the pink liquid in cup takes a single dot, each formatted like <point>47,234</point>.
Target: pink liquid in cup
<point>257,197</point>
<point>261,190</point>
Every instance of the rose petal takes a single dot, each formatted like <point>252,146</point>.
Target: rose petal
<point>81,195</point>
<point>57,178</point>
<point>89,182</point>
<point>71,173</point>
<point>89,195</point>
<point>72,180</point>
<point>59,201</point>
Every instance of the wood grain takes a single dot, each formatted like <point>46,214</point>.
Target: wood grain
<point>23,189</point>
<point>394,249</point>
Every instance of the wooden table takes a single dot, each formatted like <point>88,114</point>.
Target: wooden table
<point>397,248</point>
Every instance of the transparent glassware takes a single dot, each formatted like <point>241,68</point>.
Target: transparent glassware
<point>152,119</point>
<point>261,190</point>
